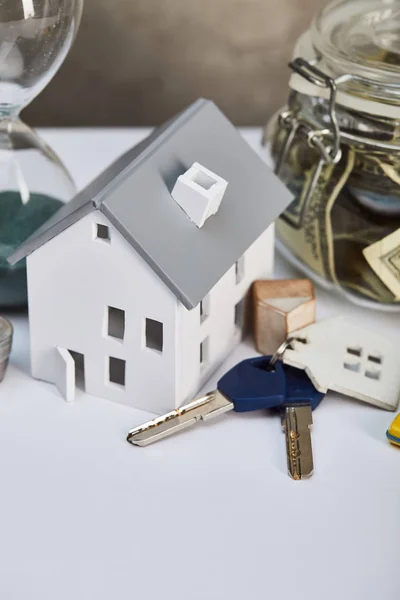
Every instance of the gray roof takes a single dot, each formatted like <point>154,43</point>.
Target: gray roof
<point>135,195</point>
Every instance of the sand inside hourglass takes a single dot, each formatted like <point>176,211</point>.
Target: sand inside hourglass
<point>35,37</point>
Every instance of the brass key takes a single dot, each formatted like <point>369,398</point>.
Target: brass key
<point>296,423</point>
<point>254,384</point>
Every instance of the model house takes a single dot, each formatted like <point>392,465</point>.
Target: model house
<point>138,286</point>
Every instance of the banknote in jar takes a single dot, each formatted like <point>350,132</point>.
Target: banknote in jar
<point>384,258</point>
<point>306,226</point>
<point>347,211</point>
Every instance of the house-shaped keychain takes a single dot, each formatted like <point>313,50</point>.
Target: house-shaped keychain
<point>137,287</point>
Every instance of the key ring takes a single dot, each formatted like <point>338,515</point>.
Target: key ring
<point>282,349</point>
<point>280,352</point>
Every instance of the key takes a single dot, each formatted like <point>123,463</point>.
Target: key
<point>251,385</point>
<point>296,423</point>
<point>296,416</point>
<point>203,408</point>
<point>248,386</point>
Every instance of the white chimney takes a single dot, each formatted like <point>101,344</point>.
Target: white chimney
<point>199,192</point>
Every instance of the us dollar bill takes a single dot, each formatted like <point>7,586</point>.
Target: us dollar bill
<point>384,259</point>
<point>306,227</point>
<point>350,208</point>
<point>353,230</point>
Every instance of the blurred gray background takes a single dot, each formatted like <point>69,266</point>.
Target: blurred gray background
<point>137,62</point>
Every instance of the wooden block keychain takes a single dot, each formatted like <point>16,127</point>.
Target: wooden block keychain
<point>280,308</point>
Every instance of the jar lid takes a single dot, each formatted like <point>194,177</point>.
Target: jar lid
<point>360,38</point>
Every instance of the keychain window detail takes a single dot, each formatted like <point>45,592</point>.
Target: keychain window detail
<point>373,374</point>
<point>355,351</point>
<point>375,359</point>
<point>352,366</point>
<point>358,367</point>
<point>115,323</point>
<point>116,371</point>
<point>154,335</point>
<point>102,232</point>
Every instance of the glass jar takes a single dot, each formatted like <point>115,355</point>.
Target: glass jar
<point>336,145</point>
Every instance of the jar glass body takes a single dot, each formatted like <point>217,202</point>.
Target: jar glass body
<point>336,145</point>
<point>354,202</point>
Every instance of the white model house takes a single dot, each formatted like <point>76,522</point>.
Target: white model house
<point>137,287</point>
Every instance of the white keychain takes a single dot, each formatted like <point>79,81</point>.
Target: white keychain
<point>339,355</point>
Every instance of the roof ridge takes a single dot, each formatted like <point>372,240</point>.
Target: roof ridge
<point>154,225</point>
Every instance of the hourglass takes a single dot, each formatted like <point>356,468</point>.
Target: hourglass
<point>35,37</point>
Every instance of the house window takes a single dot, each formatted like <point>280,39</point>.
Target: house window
<point>239,314</point>
<point>79,361</point>
<point>116,323</point>
<point>204,350</point>
<point>116,371</point>
<point>102,232</point>
<point>239,269</point>
<point>204,308</point>
<point>154,335</point>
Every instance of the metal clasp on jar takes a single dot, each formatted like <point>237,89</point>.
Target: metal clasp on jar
<point>325,141</point>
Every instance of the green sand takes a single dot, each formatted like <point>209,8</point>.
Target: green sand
<point>17,222</point>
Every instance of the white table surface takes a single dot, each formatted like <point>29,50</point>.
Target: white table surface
<point>210,513</point>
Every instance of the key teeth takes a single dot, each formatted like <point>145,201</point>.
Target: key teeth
<point>301,477</point>
<point>203,408</point>
<point>296,425</point>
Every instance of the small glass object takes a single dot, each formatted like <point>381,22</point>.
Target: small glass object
<point>35,37</point>
<point>337,147</point>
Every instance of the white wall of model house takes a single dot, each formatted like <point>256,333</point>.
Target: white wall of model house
<point>146,353</point>
<point>72,280</point>
<point>217,326</point>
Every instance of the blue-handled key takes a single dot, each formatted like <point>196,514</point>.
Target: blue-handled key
<point>301,398</point>
<point>250,385</point>
<point>246,384</point>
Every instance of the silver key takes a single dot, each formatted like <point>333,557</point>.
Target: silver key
<point>206,407</point>
<point>296,423</point>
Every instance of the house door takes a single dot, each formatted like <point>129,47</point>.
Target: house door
<point>65,374</point>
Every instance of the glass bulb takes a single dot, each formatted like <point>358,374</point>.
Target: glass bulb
<point>35,37</point>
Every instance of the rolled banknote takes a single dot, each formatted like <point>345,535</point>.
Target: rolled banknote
<point>306,227</point>
<point>384,258</point>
